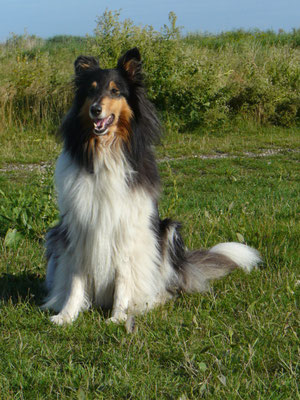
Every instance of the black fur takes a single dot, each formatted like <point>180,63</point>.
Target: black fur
<point>176,249</point>
<point>145,125</point>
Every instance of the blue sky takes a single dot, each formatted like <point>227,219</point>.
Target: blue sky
<point>47,18</point>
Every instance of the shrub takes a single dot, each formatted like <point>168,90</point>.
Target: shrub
<point>199,79</point>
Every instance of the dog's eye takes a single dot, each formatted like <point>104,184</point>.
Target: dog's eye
<point>115,91</point>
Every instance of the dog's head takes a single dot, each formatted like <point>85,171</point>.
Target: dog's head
<point>103,94</point>
<point>110,114</point>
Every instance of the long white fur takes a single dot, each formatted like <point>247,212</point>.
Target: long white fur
<point>244,256</point>
<point>112,256</point>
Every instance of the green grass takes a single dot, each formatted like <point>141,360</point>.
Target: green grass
<point>28,146</point>
<point>239,341</point>
<point>233,139</point>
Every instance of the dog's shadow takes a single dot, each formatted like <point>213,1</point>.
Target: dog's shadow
<point>24,287</point>
<point>28,288</point>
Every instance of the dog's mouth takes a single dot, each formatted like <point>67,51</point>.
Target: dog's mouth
<point>101,125</point>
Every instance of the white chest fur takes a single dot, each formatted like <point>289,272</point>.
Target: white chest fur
<point>109,229</point>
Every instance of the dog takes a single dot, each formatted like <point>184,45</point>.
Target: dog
<point>110,248</point>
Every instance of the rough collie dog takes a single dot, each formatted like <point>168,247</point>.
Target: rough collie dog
<point>110,247</point>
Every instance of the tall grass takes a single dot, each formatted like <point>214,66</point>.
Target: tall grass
<point>200,79</point>
<point>237,37</point>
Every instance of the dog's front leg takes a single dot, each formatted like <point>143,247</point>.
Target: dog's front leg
<point>122,297</point>
<point>75,301</point>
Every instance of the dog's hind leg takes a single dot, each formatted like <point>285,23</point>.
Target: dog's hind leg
<point>74,303</point>
<point>56,243</point>
<point>51,267</point>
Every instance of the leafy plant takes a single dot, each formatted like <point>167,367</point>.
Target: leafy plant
<point>200,79</point>
<point>22,212</point>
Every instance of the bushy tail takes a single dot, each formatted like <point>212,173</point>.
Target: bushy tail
<point>201,266</point>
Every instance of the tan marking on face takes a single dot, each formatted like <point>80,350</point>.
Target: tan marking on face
<point>122,112</point>
<point>124,127</point>
<point>94,85</point>
<point>119,131</point>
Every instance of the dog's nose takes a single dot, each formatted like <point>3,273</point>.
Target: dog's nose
<point>96,109</point>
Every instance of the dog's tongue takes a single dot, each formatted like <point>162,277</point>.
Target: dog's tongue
<point>101,123</point>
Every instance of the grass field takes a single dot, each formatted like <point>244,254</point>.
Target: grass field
<point>238,341</point>
<point>230,170</point>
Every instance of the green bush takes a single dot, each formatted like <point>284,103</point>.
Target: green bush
<point>199,79</point>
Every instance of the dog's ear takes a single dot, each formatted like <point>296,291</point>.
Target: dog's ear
<point>84,63</point>
<point>131,63</point>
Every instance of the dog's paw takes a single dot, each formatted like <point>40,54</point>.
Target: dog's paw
<point>112,320</point>
<point>117,317</point>
<point>130,325</point>
<point>61,319</point>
